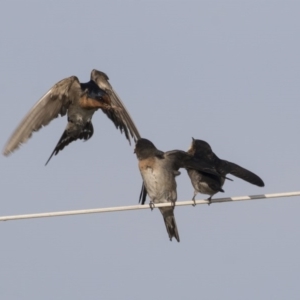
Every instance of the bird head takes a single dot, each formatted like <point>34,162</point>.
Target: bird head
<point>145,149</point>
<point>199,148</point>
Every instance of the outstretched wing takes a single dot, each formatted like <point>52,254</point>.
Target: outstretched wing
<point>118,114</point>
<point>182,159</point>
<point>56,101</point>
<point>234,169</point>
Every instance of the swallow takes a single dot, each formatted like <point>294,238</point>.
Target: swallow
<point>78,101</point>
<point>211,184</point>
<point>158,170</point>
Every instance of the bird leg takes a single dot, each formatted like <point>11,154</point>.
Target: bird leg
<point>195,193</point>
<point>209,200</point>
<point>151,204</point>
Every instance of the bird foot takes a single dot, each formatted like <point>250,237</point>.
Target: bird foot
<point>151,204</point>
<point>193,199</point>
<point>209,201</point>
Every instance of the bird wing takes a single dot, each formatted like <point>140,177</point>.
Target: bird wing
<point>236,170</point>
<point>56,101</point>
<point>118,114</point>
<point>182,159</point>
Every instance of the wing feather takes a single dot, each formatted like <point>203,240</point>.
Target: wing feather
<point>56,101</point>
<point>119,115</point>
<point>240,172</point>
<point>182,159</point>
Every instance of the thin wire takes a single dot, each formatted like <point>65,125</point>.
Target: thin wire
<point>146,206</point>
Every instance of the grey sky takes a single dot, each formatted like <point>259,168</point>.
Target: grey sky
<point>226,72</point>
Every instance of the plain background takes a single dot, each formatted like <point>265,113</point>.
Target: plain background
<point>226,72</point>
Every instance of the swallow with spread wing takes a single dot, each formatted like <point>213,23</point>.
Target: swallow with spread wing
<point>79,101</point>
<point>158,170</point>
<point>209,183</point>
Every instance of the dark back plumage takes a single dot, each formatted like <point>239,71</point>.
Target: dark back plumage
<point>202,150</point>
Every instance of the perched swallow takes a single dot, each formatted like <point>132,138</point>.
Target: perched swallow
<point>211,184</point>
<point>79,101</point>
<point>158,170</point>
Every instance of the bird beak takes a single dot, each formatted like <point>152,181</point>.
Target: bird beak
<point>192,146</point>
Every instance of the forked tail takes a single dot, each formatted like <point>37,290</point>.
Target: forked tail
<point>169,218</point>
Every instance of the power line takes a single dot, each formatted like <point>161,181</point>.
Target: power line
<point>146,206</point>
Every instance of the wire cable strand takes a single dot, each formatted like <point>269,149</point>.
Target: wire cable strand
<point>146,206</point>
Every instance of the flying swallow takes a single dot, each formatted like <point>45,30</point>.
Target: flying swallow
<point>79,101</point>
<point>211,184</point>
<point>158,170</point>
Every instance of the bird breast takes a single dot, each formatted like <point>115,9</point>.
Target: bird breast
<point>90,103</point>
<point>159,181</point>
<point>202,183</point>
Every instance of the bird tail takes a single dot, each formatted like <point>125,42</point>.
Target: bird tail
<point>170,223</point>
<point>143,195</point>
<point>63,141</point>
<point>67,138</point>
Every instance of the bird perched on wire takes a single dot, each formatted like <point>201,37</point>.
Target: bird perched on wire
<point>158,170</point>
<point>211,184</point>
<point>79,101</point>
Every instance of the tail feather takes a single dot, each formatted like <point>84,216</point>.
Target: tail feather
<point>143,195</point>
<point>63,141</point>
<point>66,138</point>
<point>170,223</point>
